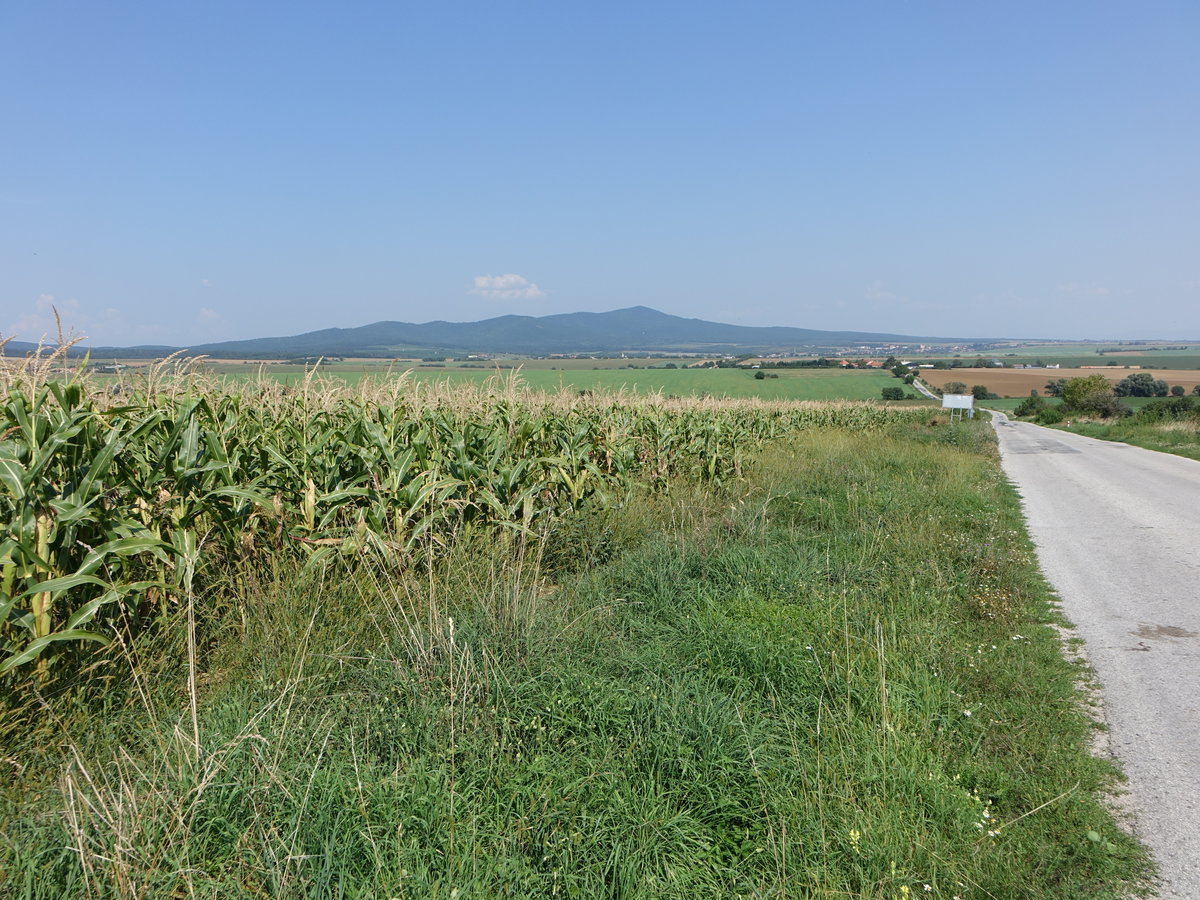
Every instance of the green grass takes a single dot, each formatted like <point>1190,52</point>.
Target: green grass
<point>1179,438</point>
<point>832,680</point>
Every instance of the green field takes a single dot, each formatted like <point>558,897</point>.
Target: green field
<point>1112,350</point>
<point>504,363</point>
<point>791,384</point>
<point>589,363</point>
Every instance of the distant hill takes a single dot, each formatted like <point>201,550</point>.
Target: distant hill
<point>637,328</point>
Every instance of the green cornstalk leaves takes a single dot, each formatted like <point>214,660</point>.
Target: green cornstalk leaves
<point>111,513</point>
<point>68,551</point>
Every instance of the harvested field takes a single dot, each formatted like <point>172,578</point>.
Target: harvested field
<point>1019,382</point>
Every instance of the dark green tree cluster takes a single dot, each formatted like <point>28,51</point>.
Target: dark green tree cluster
<point>1140,384</point>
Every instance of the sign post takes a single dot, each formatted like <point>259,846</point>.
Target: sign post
<point>959,403</point>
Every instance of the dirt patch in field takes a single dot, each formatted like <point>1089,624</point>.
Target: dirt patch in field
<point>1019,382</point>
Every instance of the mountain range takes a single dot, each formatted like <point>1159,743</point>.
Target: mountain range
<point>636,329</point>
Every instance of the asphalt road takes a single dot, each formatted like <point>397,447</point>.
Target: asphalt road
<point>1117,530</point>
<point>920,386</point>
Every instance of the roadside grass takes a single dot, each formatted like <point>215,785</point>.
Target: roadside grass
<point>837,678</point>
<point>1181,437</point>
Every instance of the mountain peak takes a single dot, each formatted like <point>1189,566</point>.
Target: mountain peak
<point>635,329</point>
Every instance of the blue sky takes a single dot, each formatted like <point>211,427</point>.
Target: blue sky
<point>186,172</point>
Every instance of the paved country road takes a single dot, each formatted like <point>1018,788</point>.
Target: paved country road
<point>1117,530</point>
<point>920,386</point>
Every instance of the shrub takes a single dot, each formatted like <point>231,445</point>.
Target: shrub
<point>1106,405</point>
<point>1051,415</point>
<point>893,393</point>
<point>1030,406</point>
<point>1174,408</point>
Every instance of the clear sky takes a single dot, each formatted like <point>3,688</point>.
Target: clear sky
<point>182,172</point>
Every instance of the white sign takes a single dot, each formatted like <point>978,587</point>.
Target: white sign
<point>958,401</point>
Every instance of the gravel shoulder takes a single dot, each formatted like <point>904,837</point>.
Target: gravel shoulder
<point>1116,529</point>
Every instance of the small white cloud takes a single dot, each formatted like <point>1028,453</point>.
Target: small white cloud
<point>1075,289</point>
<point>204,282</point>
<point>207,316</point>
<point>506,287</point>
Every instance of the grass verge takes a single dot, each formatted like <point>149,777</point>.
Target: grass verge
<point>1181,437</point>
<point>837,680</point>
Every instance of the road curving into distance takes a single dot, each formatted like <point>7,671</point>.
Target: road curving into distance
<point>1117,529</point>
<point>920,386</point>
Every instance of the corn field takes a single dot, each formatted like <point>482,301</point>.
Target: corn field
<point>121,500</point>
